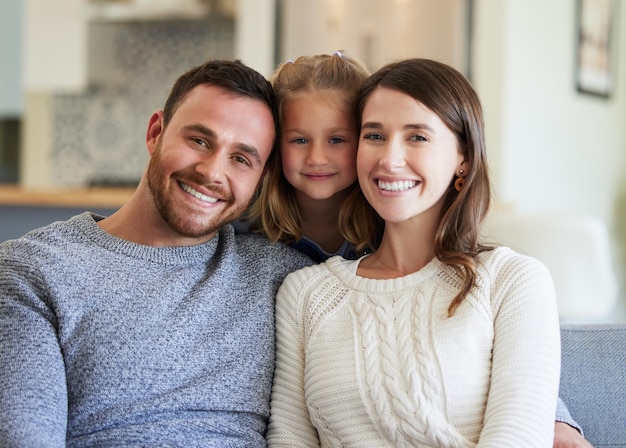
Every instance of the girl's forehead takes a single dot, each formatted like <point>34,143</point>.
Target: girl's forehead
<point>333,97</point>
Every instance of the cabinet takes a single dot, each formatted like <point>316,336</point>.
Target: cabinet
<point>56,35</point>
<point>55,42</point>
<point>142,10</point>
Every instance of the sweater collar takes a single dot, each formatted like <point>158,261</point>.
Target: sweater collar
<point>345,273</point>
<point>86,223</point>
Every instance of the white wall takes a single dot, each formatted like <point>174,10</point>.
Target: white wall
<point>375,31</point>
<point>559,150</point>
<point>552,149</point>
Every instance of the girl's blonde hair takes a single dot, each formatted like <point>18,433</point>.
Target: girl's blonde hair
<point>275,210</point>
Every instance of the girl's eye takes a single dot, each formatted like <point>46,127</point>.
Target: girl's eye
<point>336,140</point>
<point>300,141</point>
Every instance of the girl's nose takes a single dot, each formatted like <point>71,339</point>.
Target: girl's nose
<point>316,154</point>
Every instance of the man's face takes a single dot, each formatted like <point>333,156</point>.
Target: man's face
<point>205,166</point>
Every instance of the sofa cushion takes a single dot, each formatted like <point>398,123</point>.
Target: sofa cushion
<point>593,380</point>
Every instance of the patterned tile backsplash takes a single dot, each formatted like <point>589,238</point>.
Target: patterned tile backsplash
<point>99,135</point>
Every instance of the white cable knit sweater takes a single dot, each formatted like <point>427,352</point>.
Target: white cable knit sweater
<point>377,363</point>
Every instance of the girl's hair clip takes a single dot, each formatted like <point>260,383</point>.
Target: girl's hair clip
<point>338,53</point>
<point>290,61</point>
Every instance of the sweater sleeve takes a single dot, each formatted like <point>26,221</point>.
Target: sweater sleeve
<point>563,416</point>
<point>33,394</point>
<point>526,355</point>
<point>289,423</point>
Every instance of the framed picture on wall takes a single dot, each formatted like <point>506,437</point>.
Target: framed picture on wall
<point>595,44</point>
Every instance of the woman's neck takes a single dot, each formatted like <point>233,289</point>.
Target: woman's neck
<point>405,248</point>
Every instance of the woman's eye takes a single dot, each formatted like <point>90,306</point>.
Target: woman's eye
<point>418,138</point>
<point>336,140</point>
<point>372,136</point>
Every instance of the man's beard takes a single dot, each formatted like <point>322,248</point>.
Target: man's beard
<point>187,223</point>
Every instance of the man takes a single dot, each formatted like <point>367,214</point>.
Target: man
<point>154,326</point>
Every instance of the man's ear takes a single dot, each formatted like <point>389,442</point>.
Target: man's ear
<point>155,129</point>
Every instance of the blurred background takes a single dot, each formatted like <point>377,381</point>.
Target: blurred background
<point>79,80</point>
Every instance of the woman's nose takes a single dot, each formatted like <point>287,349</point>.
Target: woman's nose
<point>393,156</point>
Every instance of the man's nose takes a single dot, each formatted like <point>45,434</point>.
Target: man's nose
<point>212,166</point>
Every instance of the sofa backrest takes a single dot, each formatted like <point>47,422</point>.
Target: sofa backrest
<point>593,380</point>
<point>575,248</point>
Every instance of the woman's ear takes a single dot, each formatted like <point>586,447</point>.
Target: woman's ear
<point>155,129</point>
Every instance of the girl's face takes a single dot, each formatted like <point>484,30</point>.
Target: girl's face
<point>407,157</point>
<point>318,143</point>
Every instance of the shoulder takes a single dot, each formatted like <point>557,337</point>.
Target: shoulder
<point>42,253</point>
<point>318,277</point>
<point>310,289</point>
<point>259,250</point>
<point>503,262</point>
<point>509,278</point>
<point>256,242</point>
<point>49,238</point>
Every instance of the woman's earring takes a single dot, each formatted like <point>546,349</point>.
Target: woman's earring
<point>458,183</point>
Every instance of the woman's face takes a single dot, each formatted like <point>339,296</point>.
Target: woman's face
<point>407,157</point>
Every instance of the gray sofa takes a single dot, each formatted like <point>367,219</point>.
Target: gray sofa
<point>593,380</point>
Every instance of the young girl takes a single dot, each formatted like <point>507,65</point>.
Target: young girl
<point>310,198</point>
<point>434,339</point>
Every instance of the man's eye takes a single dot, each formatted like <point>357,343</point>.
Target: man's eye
<point>336,140</point>
<point>242,160</point>
<point>200,142</point>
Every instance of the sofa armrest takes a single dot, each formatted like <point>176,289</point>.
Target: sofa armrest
<point>593,380</point>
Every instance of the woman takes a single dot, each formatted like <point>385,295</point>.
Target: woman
<point>434,339</point>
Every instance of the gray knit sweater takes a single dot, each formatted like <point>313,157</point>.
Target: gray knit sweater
<point>108,343</point>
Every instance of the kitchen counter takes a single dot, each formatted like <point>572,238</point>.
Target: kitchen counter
<point>101,197</point>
